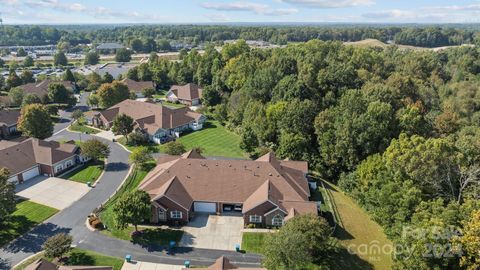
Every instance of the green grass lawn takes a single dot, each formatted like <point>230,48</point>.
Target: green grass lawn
<point>173,105</point>
<point>215,140</point>
<point>149,236</point>
<point>78,127</point>
<point>253,242</point>
<point>87,173</point>
<point>80,257</point>
<point>26,216</point>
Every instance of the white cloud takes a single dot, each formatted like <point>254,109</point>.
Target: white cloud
<point>259,9</point>
<point>217,17</point>
<point>329,3</point>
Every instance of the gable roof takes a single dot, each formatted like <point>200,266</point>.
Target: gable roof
<point>9,118</point>
<point>41,88</point>
<point>223,263</point>
<point>42,264</point>
<point>20,156</point>
<point>151,117</point>
<point>189,91</point>
<point>135,86</point>
<point>250,182</point>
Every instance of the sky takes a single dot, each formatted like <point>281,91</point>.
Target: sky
<point>227,11</point>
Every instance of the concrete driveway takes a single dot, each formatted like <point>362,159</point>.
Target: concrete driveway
<point>213,232</point>
<point>108,135</point>
<point>51,191</point>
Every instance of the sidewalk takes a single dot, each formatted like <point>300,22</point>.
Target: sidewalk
<point>150,266</point>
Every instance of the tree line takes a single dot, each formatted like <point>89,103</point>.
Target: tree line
<point>424,36</point>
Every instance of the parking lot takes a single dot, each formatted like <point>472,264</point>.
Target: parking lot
<point>51,191</point>
<point>213,232</point>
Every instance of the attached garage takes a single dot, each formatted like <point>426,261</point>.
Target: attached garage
<point>27,175</point>
<point>206,207</point>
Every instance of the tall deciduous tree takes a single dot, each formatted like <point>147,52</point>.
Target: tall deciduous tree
<point>13,80</point>
<point>123,55</point>
<point>58,245</point>
<point>92,58</point>
<point>60,59</point>
<point>7,195</point>
<point>28,62</point>
<point>132,208</point>
<point>95,149</point>
<point>68,76</point>
<point>110,94</point>
<point>122,124</point>
<point>16,96</point>
<point>140,156</point>
<point>35,121</point>
<point>58,93</point>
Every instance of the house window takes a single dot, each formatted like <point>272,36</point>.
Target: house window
<point>58,168</point>
<point>255,219</point>
<point>277,221</point>
<point>68,163</point>
<point>175,214</point>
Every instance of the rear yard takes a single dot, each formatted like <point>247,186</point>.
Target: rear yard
<point>26,216</point>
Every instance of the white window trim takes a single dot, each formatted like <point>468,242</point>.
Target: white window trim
<point>174,214</point>
<point>255,219</point>
<point>277,217</point>
<point>57,168</point>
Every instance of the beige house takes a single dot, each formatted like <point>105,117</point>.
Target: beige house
<point>8,123</point>
<point>138,87</point>
<point>266,191</point>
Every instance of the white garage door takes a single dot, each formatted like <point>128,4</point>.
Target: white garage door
<point>204,207</point>
<point>30,173</point>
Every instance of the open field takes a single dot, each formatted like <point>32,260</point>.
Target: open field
<point>27,215</point>
<point>377,43</point>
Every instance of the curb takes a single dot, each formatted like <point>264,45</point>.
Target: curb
<point>26,259</point>
<point>123,146</point>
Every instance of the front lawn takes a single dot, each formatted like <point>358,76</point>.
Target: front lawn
<point>214,139</point>
<point>80,257</point>
<point>253,242</point>
<point>149,236</point>
<point>82,127</point>
<point>27,215</point>
<point>86,173</point>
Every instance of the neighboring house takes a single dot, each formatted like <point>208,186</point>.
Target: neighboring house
<point>189,94</point>
<point>42,264</point>
<point>109,47</point>
<point>32,157</point>
<point>40,89</point>
<point>159,122</point>
<point>266,191</point>
<point>223,263</point>
<point>8,123</point>
<point>138,87</point>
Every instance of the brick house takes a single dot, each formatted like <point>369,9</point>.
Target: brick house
<point>159,122</point>
<point>266,191</point>
<point>189,94</point>
<point>8,123</point>
<point>32,157</point>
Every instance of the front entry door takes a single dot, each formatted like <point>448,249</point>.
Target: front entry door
<point>162,215</point>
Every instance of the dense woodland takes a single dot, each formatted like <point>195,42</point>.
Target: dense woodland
<point>423,36</point>
<point>398,130</point>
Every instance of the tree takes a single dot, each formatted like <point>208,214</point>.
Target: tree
<point>28,62</point>
<point>148,92</point>
<point>2,83</point>
<point>16,96</point>
<point>7,195</point>
<point>30,99</point>
<point>68,76</point>
<point>93,100</point>
<point>95,149</point>
<point>13,80</point>
<point>299,242</point>
<point>122,124</point>
<point>21,52</point>
<point>77,114</point>
<point>174,148</point>
<point>132,208</point>
<point>58,93</point>
<point>60,59</point>
<point>164,45</point>
<point>140,156</point>
<point>470,242</point>
<point>107,78</point>
<point>58,245</point>
<point>110,94</point>
<point>27,77</point>
<point>92,58</point>
<point>123,55</point>
<point>2,63</point>
<point>137,46</point>
<point>35,121</point>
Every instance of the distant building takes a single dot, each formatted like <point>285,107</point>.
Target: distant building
<point>138,87</point>
<point>109,47</point>
<point>8,123</point>
<point>40,89</point>
<point>189,94</point>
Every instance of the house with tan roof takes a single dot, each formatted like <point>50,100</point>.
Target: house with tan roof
<point>40,89</point>
<point>159,122</point>
<point>189,94</point>
<point>32,157</point>
<point>138,87</point>
<point>42,264</point>
<point>266,191</point>
<point>8,123</point>
<point>223,263</point>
